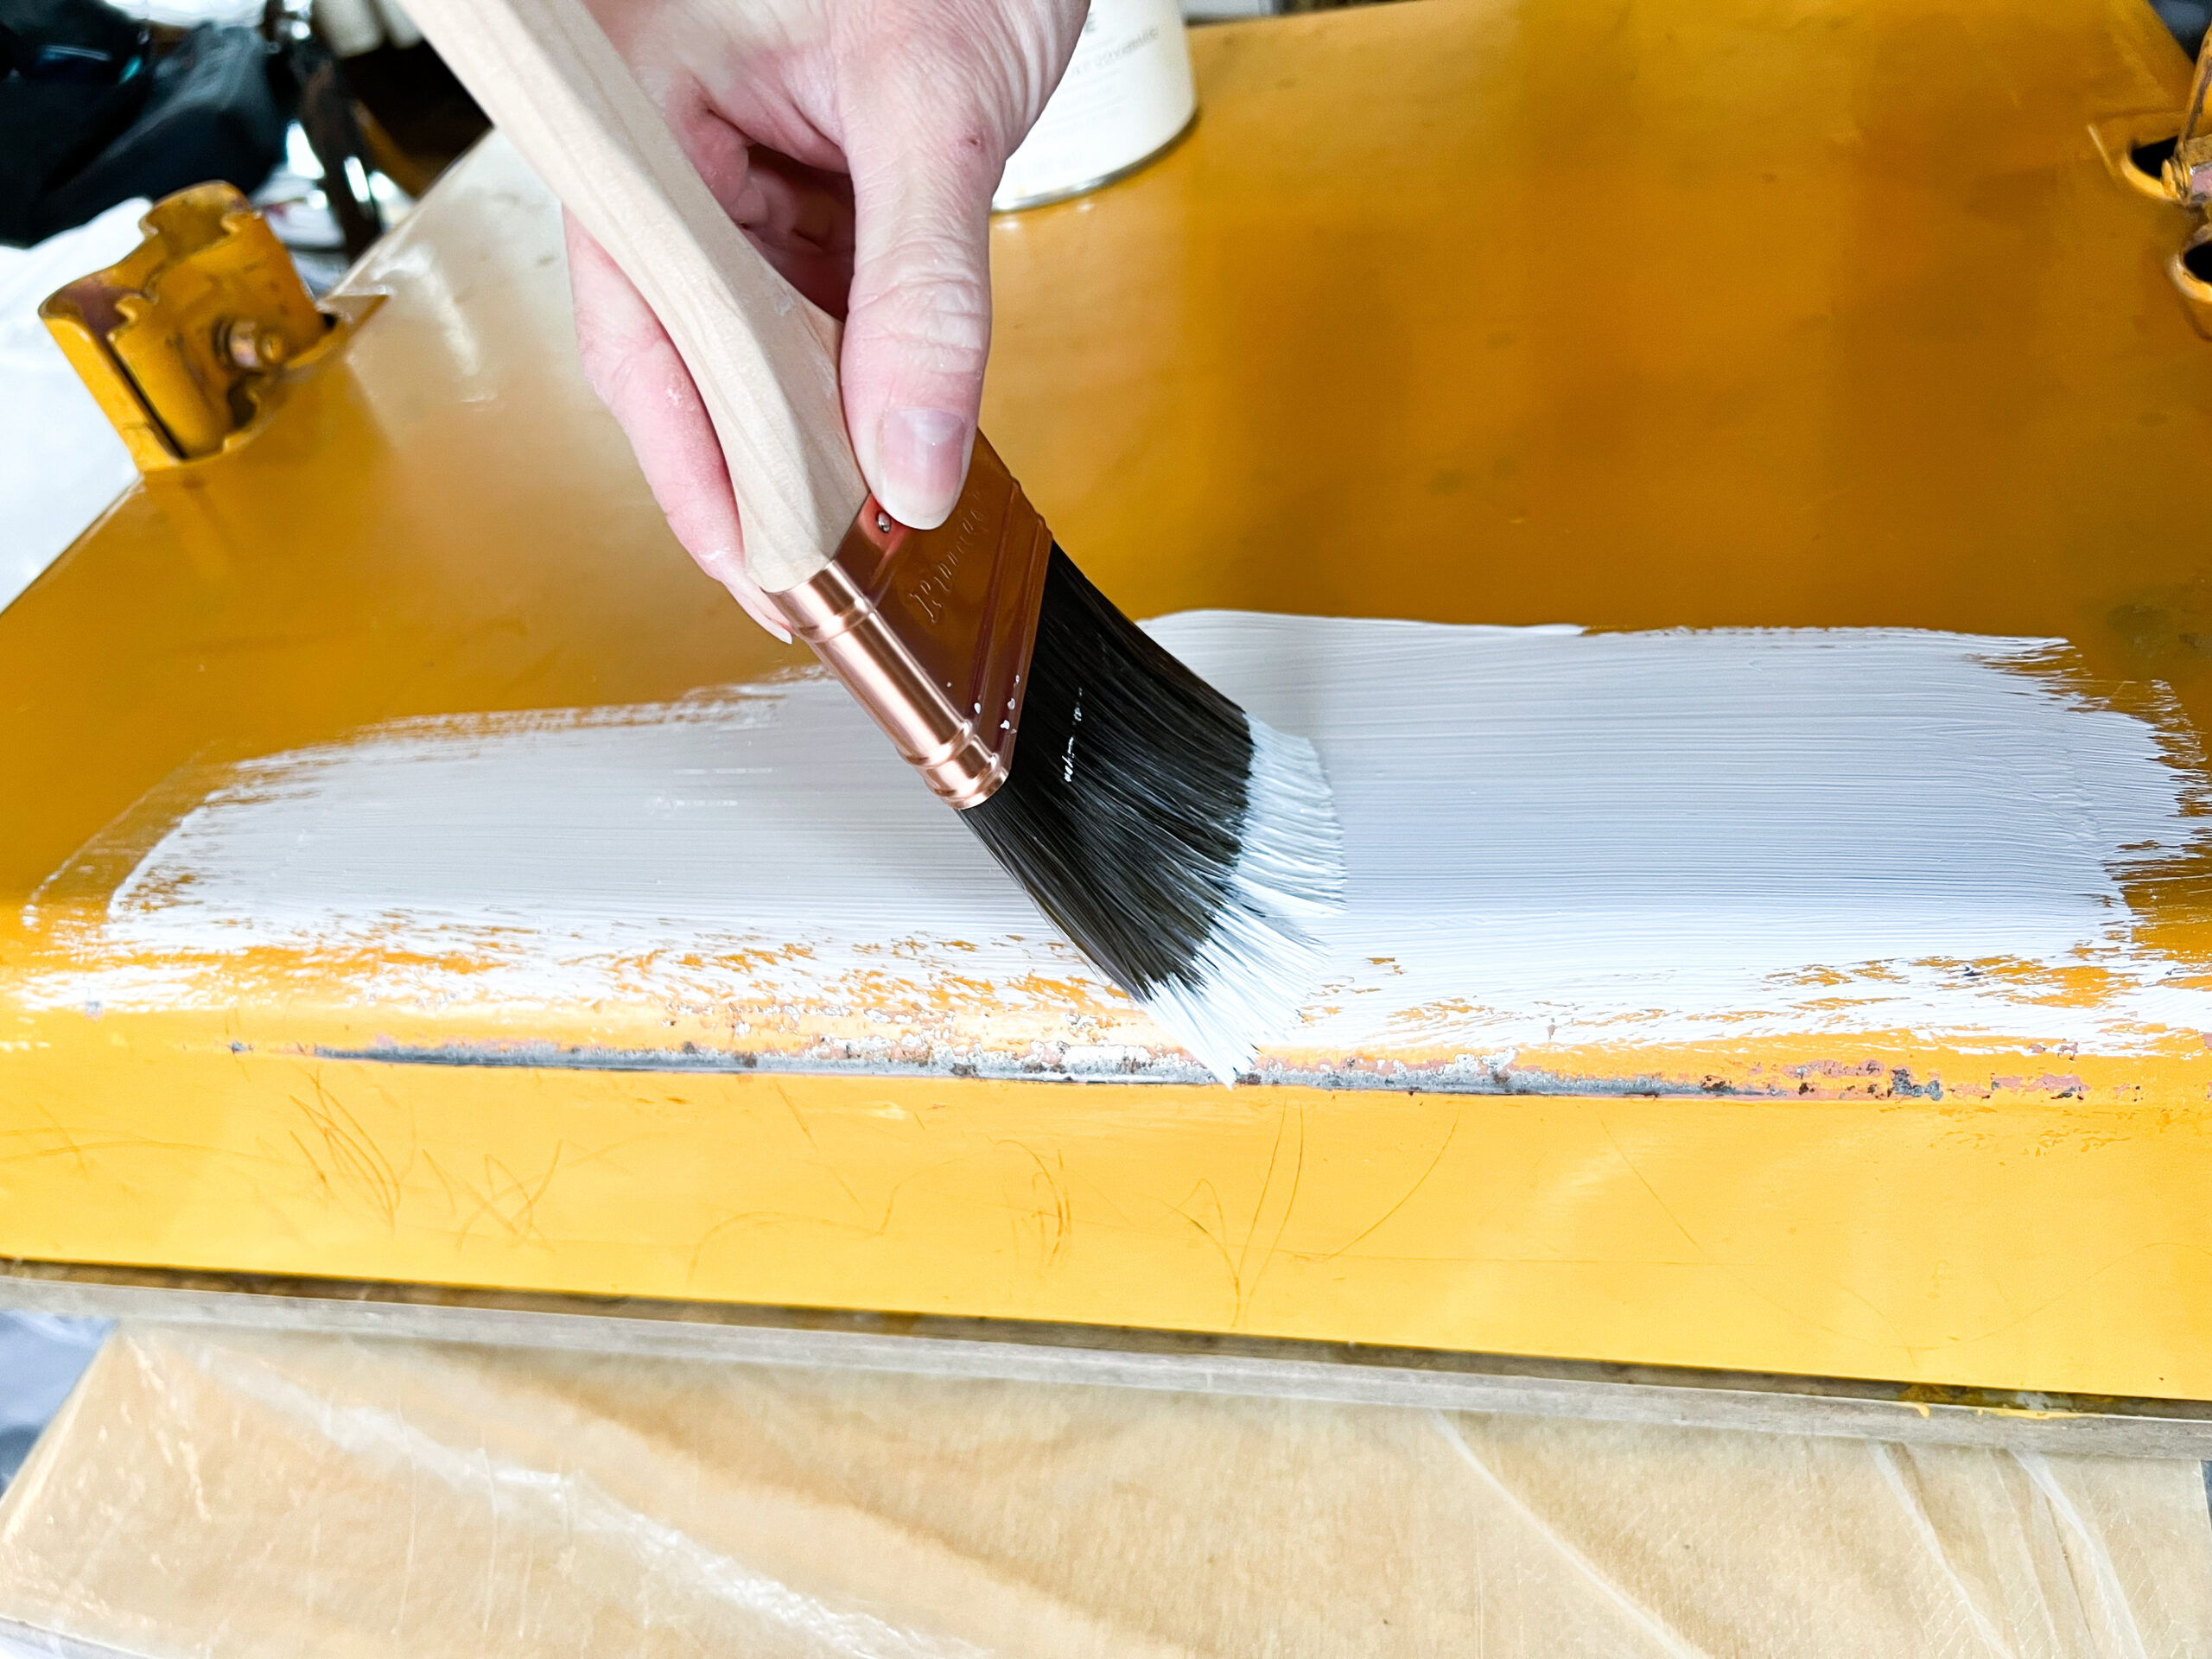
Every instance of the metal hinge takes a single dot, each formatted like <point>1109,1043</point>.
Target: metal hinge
<point>188,341</point>
<point>2188,172</point>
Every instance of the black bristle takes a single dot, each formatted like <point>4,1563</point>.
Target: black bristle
<point>1124,813</point>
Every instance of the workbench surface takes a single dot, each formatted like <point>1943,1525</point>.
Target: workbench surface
<point>377,894</point>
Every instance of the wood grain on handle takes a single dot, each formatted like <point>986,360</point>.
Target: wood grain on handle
<point>764,359</point>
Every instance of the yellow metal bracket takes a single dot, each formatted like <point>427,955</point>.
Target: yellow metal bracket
<point>2169,158</point>
<point>188,341</point>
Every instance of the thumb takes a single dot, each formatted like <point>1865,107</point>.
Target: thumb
<point>918,327</point>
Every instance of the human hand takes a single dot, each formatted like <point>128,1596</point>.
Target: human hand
<point>856,143</point>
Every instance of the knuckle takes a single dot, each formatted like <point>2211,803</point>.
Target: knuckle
<point>953,341</point>
<point>929,297</point>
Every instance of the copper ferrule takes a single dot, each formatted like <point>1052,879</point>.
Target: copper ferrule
<point>931,629</point>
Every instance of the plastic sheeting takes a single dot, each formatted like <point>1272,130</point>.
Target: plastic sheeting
<point>42,1356</point>
<point>257,1495</point>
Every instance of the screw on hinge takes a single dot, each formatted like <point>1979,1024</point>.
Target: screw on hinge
<point>251,346</point>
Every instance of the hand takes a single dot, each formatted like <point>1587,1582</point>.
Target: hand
<point>857,143</point>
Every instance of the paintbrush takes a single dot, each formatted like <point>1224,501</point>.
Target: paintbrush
<point>1184,847</point>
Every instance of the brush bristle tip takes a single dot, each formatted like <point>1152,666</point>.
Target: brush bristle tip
<point>1191,852</point>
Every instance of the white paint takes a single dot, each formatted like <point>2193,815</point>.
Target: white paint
<point>1667,836</point>
<point>1263,959</point>
<point>1648,837</point>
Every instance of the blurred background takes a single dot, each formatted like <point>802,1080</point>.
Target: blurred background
<point>333,115</point>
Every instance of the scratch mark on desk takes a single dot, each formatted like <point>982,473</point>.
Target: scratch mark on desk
<point>1246,1290</point>
<point>1217,1235</point>
<point>68,1142</point>
<point>352,1152</point>
<point>860,1229</point>
<point>1056,1220</point>
<point>826,1166</point>
<point>1904,1345</point>
<point>510,1201</point>
<point>1419,1181</point>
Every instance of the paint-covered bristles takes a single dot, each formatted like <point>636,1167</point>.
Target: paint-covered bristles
<point>1184,847</point>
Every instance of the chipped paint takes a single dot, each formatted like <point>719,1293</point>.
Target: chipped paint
<point>1555,839</point>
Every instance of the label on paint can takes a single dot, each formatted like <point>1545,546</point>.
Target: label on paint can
<point>1126,95</point>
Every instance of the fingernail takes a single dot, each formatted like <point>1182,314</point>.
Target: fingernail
<point>749,599</point>
<point>925,459</point>
<point>727,566</point>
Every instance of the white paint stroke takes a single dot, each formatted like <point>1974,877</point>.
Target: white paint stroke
<point>1646,837</point>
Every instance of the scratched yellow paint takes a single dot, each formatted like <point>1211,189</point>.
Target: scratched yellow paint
<point>2015,1241</point>
<point>1767,312</point>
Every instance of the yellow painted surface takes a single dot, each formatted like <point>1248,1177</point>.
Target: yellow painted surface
<point>2006,1242</point>
<point>1776,314</point>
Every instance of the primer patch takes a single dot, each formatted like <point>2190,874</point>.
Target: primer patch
<point>1550,835</point>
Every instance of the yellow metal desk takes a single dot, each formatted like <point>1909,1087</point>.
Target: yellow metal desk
<point>1787,313</point>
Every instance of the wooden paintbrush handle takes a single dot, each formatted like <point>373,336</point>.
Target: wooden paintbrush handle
<point>764,359</point>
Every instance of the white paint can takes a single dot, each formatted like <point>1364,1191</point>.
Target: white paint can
<point>1128,95</point>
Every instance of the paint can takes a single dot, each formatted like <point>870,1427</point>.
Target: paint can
<point>1127,96</point>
